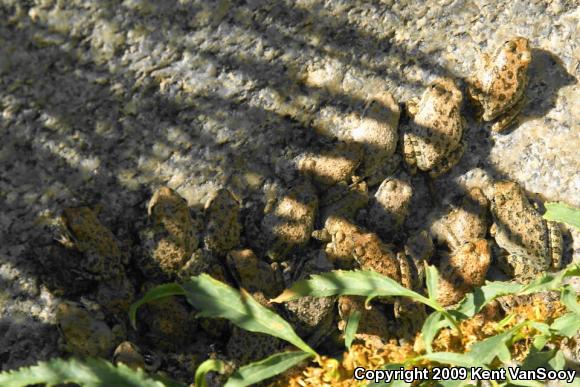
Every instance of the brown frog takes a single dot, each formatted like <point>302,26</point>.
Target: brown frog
<point>101,258</point>
<point>498,89</point>
<point>84,332</point>
<point>222,224</point>
<point>432,141</point>
<point>132,356</point>
<point>171,237</point>
<point>534,244</point>
<point>289,221</point>
<point>463,230</point>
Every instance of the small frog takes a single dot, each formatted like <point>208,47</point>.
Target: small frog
<point>390,205</point>
<point>534,244</point>
<point>498,88</point>
<point>378,133</point>
<point>464,223</point>
<point>132,356</point>
<point>373,325</point>
<point>344,200</point>
<point>432,141</point>
<point>253,274</point>
<point>463,231</point>
<point>169,323</point>
<point>171,237</point>
<point>101,258</point>
<point>222,222</point>
<point>288,223</point>
<point>84,332</point>
<point>331,165</point>
<point>82,231</point>
<point>463,270</point>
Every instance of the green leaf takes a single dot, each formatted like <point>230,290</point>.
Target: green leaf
<point>455,359</point>
<point>393,383</point>
<point>569,298</point>
<point>560,212</point>
<point>551,281</point>
<point>351,328</point>
<point>215,299</point>
<point>158,292</point>
<point>567,325</point>
<point>558,362</point>
<point>266,368</point>
<point>354,283</point>
<point>432,279</point>
<point>90,372</point>
<point>480,297</point>
<point>487,350</point>
<point>431,326</point>
<point>536,359</point>
<point>205,367</point>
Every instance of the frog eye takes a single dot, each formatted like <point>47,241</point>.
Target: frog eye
<point>510,45</point>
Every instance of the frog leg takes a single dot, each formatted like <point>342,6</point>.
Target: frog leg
<point>556,244</point>
<point>409,153</point>
<point>508,118</point>
<point>448,162</point>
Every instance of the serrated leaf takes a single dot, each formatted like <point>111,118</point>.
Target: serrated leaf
<point>215,299</point>
<point>567,325</point>
<point>351,328</point>
<point>432,280</point>
<point>158,292</point>
<point>487,350</point>
<point>205,367</point>
<point>560,212</point>
<point>354,283</point>
<point>264,369</point>
<point>551,281</point>
<point>480,297</point>
<point>569,298</point>
<point>90,372</point>
<point>430,328</point>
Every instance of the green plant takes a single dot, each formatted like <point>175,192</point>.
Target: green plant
<point>215,299</point>
<point>560,212</point>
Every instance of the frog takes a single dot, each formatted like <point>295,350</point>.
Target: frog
<point>244,346</point>
<point>498,87</point>
<point>81,230</point>
<point>533,244</point>
<point>253,274</point>
<point>222,222</point>
<point>101,257</point>
<point>464,223</point>
<point>344,200</point>
<point>462,271</point>
<point>311,317</point>
<point>389,206</point>
<point>433,138</point>
<point>331,164</point>
<point>289,220</point>
<point>464,265</point>
<point>84,332</point>
<point>171,237</point>
<point>168,323</point>
<point>134,357</point>
<point>374,327</point>
<point>377,132</point>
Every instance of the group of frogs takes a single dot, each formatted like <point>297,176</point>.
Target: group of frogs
<point>179,242</point>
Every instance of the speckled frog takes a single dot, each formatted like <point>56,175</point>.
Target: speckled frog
<point>463,230</point>
<point>84,333</point>
<point>172,236</point>
<point>534,244</point>
<point>101,257</point>
<point>498,88</point>
<point>432,141</point>
<point>81,230</point>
